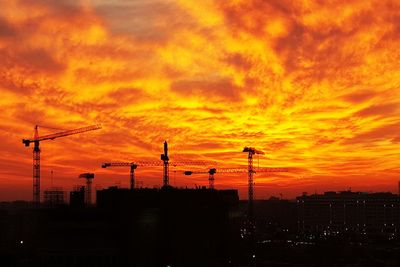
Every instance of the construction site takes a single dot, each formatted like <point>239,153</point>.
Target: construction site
<point>137,226</point>
<point>183,226</point>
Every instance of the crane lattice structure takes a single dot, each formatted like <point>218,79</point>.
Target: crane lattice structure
<point>165,159</point>
<point>133,166</point>
<point>36,152</point>
<point>251,151</point>
<point>211,172</point>
<point>88,193</point>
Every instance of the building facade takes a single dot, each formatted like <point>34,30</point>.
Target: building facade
<point>348,211</point>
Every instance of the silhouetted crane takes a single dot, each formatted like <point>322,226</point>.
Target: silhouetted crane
<point>211,172</point>
<point>133,166</point>
<point>165,159</point>
<point>251,151</point>
<point>88,194</point>
<point>36,152</point>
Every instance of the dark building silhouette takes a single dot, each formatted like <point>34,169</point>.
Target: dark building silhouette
<point>77,197</point>
<point>275,218</point>
<point>201,227</point>
<point>169,226</point>
<point>349,211</point>
<point>141,227</point>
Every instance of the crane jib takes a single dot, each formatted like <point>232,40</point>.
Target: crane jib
<point>36,153</point>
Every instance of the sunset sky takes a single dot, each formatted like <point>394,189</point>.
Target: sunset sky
<point>314,84</point>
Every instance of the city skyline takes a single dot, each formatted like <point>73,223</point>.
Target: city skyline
<point>314,86</point>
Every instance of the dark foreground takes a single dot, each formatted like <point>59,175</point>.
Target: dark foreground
<point>188,227</point>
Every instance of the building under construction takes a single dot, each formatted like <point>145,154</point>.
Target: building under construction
<point>140,227</point>
<point>54,196</point>
<point>143,227</point>
<point>177,223</point>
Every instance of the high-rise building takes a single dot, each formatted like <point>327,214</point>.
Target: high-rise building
<point>348,210</point>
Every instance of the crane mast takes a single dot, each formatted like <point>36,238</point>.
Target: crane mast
<point>165,163</point>
<point>211,178</point>
<point>133,166</point>
<point>211,172</point>
<point>165,159</point>
<point>251,151</point>
<point>88,193</point>
<point>251,224</point>
<point>36,153</point>
<point>132,176</point>
<point>36,168</point>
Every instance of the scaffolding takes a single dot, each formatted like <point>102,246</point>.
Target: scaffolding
<point>54,196</point>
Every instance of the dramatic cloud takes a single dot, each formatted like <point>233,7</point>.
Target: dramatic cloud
<point>314,84</point>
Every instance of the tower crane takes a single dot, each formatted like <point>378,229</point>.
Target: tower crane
<point>165,159</point>
<point>133,166</point>
<point>250,152</point>
<point>89,179</point>
<point>211,172</point>
<point>36,152</point>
